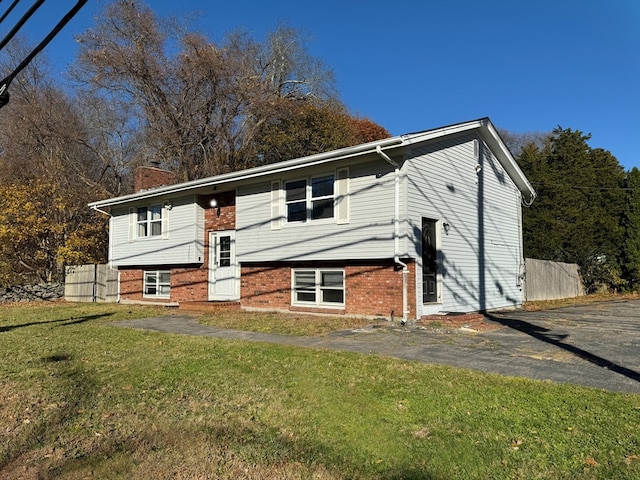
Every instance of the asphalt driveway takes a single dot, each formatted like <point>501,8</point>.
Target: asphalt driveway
<point>595,345</point>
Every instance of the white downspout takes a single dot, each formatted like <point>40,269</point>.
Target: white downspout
<point>396,235</point>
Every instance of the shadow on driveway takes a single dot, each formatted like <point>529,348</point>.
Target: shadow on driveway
<point>559,340</point>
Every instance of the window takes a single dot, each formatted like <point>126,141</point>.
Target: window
<point>318,287</point>
<point>309,200</point>
<point>149,221</point>
<point>157,283</point>
<point>225,251</point>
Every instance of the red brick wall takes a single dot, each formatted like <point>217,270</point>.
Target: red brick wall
<point>377,290</point>
<point>152,177</point>
<point>222,217</point>
<point>188,283</point>
<point>131,283</point>
<point>265,286</point>
<point>371,288</point>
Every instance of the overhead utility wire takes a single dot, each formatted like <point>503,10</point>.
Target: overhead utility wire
<point>20,23</point>
<point>4,84</point>
<point>15,2</point>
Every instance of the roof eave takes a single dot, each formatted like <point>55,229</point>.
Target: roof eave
<point>483,125</point>
<point>279,167</point>
<point>504,156</point>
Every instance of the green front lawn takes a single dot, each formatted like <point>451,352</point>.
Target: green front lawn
<point>82,399</point>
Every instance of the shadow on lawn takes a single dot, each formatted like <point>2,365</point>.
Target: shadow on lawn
<point>62,321</point>
<point>545,335</point>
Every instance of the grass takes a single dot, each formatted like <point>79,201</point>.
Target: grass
<point>284,323</point>
<point>583,300</point>
<point>82,399</point>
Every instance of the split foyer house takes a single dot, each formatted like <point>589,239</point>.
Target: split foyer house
<point>417,224</point>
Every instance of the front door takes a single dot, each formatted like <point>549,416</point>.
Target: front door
<point>429,262</point>
<point>224,277</point>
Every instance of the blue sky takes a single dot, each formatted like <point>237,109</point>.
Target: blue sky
<point>418,64</point>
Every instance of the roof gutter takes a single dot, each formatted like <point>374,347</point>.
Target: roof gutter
<point>273,168</point>
<point>396,234</point>
<point>93,207</point>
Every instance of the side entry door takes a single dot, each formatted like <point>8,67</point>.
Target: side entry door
<point>224,273</point>
<point>429,262</point>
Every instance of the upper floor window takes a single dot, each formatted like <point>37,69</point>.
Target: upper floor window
<point>149,221</point>
<point>297,202</point>
<point>311,199</point>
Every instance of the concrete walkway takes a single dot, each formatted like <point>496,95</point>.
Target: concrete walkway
<point>595,345</point>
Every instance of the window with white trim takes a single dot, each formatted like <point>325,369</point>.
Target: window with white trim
<point>157,283</point>
<point>149,221</point>
<point>309,199</point>
<point>318,287</point>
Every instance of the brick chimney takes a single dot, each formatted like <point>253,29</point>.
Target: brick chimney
<point>152,177</point>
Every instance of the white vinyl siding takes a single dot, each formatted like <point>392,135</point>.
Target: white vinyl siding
<point>181,241</point>
<point>276,207</point>
<point>362,227</point>
<point>479,257</point>
<point>342,196</point>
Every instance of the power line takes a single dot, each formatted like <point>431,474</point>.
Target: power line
<point>4,85</point>
<point>580,187</point>
<point>19,24</point>
<point>15,2</point>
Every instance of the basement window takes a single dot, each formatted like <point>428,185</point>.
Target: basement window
<point>318,287</point>
<point>157,283</point>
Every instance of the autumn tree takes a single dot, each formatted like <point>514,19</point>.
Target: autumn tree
<point>365,130</point>
<point>43,228</point>
<point>47,175</point>
<point>209,108</point>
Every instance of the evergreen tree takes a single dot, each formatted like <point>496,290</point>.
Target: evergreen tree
<point>631,270</point>
<point>577,217</point>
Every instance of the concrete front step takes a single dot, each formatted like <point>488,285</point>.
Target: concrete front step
<point>473,321</point>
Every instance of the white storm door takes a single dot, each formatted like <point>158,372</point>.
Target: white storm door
<point>224,278</point>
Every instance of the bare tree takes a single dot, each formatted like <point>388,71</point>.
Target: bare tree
<point>200,110</point>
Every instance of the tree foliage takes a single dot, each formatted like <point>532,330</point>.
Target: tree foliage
<point>207,108</point>
<point>148,89</point>
<point>631,263</point>
<point>47,175</point>
<point>578,214</point>
<point>42,229</point>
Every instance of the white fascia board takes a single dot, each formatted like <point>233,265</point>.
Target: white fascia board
<point>504,156</point>
<point>484,126</point>
<point>250,173</point>
<point>442,131</point>
<point>492,138</point>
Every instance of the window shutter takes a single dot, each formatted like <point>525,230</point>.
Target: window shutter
<point>342,195</point>
<point>166,208</point>
<point>276,206</point>
<point>132,223</point>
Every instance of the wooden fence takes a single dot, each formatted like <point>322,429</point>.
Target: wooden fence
<point>546,280</point>
<point>91,283</point>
